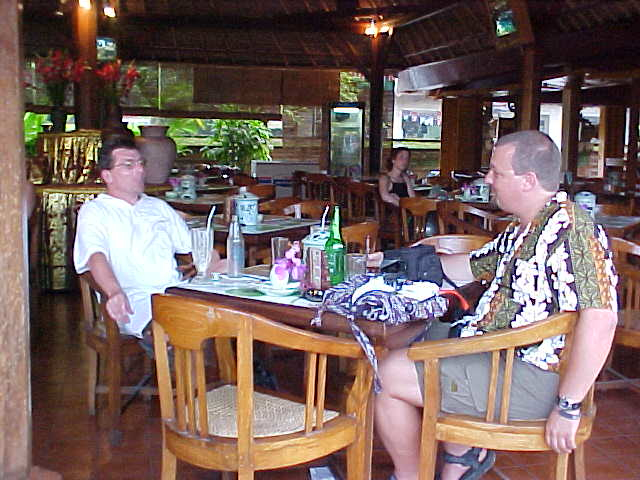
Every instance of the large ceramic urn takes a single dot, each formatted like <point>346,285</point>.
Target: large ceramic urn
<point>158,150</point>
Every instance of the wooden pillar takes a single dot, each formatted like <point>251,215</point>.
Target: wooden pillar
<point>632,147</point>
<point>570,123</point>
<point>379,48</point>
<point>529,114</point>
<point>15,401</point>
<point>611,132</point>
<point>461,145</point>
<point>87,101</point>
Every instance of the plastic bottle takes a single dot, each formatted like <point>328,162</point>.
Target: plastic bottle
<point>334,249</point>
<point>235,249</point>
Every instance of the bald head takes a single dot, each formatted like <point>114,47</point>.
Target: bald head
<point>534,151</point>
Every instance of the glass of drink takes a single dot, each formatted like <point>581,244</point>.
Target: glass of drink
<point>201,245</point>
<point>279,246</point>
<point>356,264</point>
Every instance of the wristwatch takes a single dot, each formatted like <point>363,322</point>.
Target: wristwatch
<point>567,404</point>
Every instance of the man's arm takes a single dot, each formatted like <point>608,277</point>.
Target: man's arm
<point>591,344</point>
<point>117,303</point>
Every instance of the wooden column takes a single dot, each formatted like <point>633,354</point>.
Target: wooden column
<point>15,401</point>
<point>379,48</point>
<point>461,145</point>
<point>529,114</point>
<point>611,132</point>
<point>632,147</point>
<point>570,123</point>
<point>87,100</point>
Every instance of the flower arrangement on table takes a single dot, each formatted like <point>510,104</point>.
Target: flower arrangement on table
<point>57,70</point>
<point>116,81</point>
<point>289,267</point>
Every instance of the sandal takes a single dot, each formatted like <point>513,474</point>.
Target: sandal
<point>471,459</point>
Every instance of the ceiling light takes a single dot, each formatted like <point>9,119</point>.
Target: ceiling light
<point>108,10</point>
<point>86,4</point>
<point>371,30</point>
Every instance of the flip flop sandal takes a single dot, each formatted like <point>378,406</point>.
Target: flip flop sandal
<point>471,459</point>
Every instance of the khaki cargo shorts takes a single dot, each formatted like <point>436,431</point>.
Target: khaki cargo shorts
<point>464,384</point>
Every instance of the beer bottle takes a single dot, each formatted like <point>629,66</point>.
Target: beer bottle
<point>335,250</point>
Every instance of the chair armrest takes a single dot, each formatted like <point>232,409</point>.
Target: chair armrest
<point>508,338</point>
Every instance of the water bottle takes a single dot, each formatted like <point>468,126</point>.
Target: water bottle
<point>235,249</point>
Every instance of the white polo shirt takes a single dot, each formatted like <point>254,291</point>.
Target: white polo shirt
<point>139,241</point>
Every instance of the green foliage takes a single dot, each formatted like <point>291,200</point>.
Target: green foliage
<point>351,83</point>
<point>32,127</point>
<point>237,142</point>
<point>186,127</point>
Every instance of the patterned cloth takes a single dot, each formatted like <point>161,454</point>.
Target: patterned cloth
<point>366,296</point>
<point>558,262</point>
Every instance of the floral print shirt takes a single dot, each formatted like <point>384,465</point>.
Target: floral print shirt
<point>558,262</point>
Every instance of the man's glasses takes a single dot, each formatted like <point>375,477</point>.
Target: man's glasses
<point>130,164</point>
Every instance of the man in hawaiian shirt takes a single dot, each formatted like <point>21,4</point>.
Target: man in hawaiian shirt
<point>552,258</point>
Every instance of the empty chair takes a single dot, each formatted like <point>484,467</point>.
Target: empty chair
<point>265,191</point>
<point>626,257</point>
<point>495,431</point>
<point>363,202</point>
<point>455,243</point>
<point>308,208</point>
<point>320,187</point>
<point>234,428</point>
<point>355,237</point>
<point>414,212</point>
<point>277,205</point>
<point>458,217</point>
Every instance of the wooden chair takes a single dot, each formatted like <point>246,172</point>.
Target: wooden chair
<point>363,202</point>
<point>614,209</point>
<point>356,235</point>
<point>309,208</point>
<point>266,191</point>
<point>455,243</point>
<point>277,205</point>
<point>458,217</point>
<point>107,345</point>
<point>626,256</point>
<point>320,187</point>
<point>494,431</point>
<point>340,186</point>
<point>234,428</point>
<point>413,212</point>
<point>390,225</point>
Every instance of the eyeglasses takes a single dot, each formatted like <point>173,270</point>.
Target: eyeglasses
<point>130,164</point>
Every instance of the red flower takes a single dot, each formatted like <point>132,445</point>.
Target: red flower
<point>57,70</point>
<point>117,85</point>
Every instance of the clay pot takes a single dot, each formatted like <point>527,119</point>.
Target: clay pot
<point>158,150</point>
<point>113,124</point>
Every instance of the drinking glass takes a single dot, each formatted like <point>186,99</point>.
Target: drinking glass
<point>279,246</point>
<point>201,245</point>
<point>356,264</point>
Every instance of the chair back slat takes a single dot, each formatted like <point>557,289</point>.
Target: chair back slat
<point>308,208</point>
<point>355,236</point>
<point>506,385</point>
<point>190,392</point>
<point>203,427</point>
<point>363,202</point>
<point>245,384</point>
<point>493,386</point>
<point>322,391</point>
<point>458,217</point>
<point>181,387</point>
<point>320,187</point>
<point>311,371</point>
<point>416,209</point>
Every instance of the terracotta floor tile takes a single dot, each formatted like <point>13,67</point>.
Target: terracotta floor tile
<point>515,473</point>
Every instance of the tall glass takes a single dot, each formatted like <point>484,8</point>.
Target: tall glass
<point>201,245</point>
<point>279,246</point>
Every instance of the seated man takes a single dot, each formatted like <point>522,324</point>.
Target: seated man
<point>129,241</point>
<point>552,259</point>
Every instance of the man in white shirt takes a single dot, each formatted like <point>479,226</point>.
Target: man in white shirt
<point>129,241</point>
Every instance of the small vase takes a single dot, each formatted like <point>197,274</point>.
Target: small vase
<point>58,120</point>
<point>158,150</point>
<point>276,281</point>
<point>113,125</point>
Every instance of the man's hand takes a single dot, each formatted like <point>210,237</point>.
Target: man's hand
<point>118,307</point>
<point>560,432</point>
<point>188,270</point>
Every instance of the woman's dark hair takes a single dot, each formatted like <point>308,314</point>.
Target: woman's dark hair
<point>111,144</point>
<point>394,153</point>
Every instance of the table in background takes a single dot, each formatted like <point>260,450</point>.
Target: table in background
<point>51,246</point>
<point>621,226</point>
<point>201,205</point>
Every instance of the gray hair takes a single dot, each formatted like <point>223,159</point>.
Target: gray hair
<point>535,152</point>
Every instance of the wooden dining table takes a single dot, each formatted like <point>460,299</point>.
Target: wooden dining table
<point>622,226</point>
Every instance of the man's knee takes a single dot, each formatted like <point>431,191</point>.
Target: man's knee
<point>398,375</point>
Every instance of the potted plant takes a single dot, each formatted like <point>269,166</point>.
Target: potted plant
<point>116,86</point>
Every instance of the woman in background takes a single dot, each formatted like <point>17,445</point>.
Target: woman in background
<point>396,183</point>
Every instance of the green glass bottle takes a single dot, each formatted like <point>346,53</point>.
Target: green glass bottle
<point>335,250</point>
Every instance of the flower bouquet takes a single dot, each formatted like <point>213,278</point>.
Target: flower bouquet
<point>57,70</point>
<point>116,81</point>
<point>289,267</point>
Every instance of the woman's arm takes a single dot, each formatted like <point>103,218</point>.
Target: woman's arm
<point>383,189</point>
<point>409,183</point>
